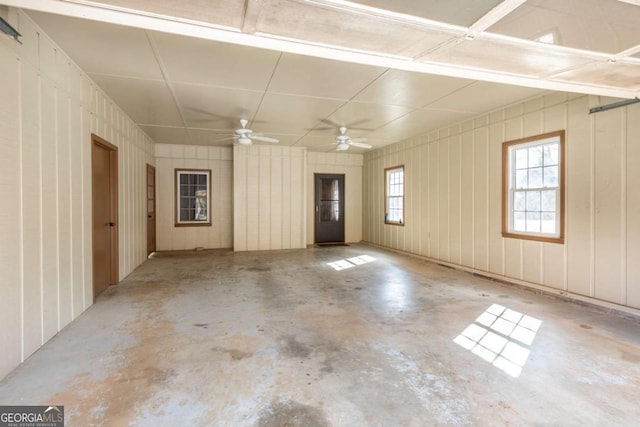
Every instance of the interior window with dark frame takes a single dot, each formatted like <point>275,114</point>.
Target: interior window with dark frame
<point>193,197</point>
<point>533,188</point>
<point>394,195</point>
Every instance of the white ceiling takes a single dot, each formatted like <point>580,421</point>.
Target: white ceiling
<point>388,70</point>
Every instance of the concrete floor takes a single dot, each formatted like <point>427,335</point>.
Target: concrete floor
<point>284,339</point>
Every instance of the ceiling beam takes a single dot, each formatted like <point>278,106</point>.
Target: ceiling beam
<point>252,10</point>
<point>493,16</point>
<point>183,27</point>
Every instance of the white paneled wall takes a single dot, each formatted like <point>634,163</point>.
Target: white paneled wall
<point>218,160</point>
<point>48,110</point>
<point>269,197</point>
<point>453,198</point>
<point>337,163</point>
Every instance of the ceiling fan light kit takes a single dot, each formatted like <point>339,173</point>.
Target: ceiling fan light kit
<point>344,141</point>
<point>246,136</point>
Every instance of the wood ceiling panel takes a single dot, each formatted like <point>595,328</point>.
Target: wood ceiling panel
<point>221,12</point>
<point>416,123</point>
<point>600,25</point>
<point>306,75</point>
<point>409,89</point>
<point>482,97</point>
<point>102,48</point>
<point>360,116</point>
<point>307,21</point>
<point>215,107</point>
<point>622,73</point>
<point>167,135</point>
<point>192,60</point>
<point>490,53</point>
<point>292,114</point>
<point>456,12</point>
<point>145,101</point>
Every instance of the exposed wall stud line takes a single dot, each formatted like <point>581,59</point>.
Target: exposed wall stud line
<point>623,208</point>
<point>20,244</point>
<point>567,165</point>
<point>592,202</point>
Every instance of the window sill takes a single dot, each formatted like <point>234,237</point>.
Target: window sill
<point>401,224</point>
<point>544,239</point>
<point>203,224</point>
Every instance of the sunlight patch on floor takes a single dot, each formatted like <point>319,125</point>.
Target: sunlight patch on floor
<point>345,264</point>
<point>502,337</point>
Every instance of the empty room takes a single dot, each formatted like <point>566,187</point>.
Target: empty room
<point>319,212</point>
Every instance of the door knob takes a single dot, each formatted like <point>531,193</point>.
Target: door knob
<point>111,224</point>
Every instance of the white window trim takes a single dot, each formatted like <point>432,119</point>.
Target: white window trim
<point>178,173</point>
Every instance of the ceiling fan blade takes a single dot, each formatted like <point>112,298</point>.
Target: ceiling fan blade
<point>361,145</point>
<point>263,138</point>
<point>357,139</point>
<point>228,138</point>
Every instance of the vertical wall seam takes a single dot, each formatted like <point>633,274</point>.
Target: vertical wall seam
<point>488,192</point>
<point>41,213</point>
<point>473,198</point>
<point>503,241</point>
<point>623,209</point>
<point>20,206</point>
<point>592,201</point>
<point>567,166</point>
<point>70,185</point>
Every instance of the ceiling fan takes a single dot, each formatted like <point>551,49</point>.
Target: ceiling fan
<point>343,141</point>
<point>246,136</point>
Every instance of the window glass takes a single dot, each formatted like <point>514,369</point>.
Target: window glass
<point>193,204</point>
<point>394,189</point>
<point>533,188</point>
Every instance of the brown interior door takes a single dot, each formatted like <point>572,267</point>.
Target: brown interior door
<point>151,209</point>
<point>104,194</point>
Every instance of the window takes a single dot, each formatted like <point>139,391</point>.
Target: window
<point>394,195</point>
<point>533,188</point>
<point>193,197</point>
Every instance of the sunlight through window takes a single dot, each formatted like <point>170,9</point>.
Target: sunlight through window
<point>500,336</point>
<point>344,264</point>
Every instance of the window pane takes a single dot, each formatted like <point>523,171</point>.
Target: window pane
<point>533,222</point>
<point>535,177</point>
<point>519,201</point>
<point>533,201</point>
<point>519,223</point>
<point>549,200</point>
<point>551,176</point>
<point>535,156</point>
<point>550,154</point>
<point>521,158</point>
<point>202,179</point>
<point>184,179</point>
<point>548,223</point>
<point>521,178</point>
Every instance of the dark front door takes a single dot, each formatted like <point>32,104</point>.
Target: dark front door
<point>329,208</point>
<point>151,209</point>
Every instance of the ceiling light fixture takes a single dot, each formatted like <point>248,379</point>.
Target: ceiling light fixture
<point>343,146</point>
<point>244,141</point>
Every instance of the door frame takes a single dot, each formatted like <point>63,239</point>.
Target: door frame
<point>155,214</point>
<point>317,212</point>
<point>96,141</point>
